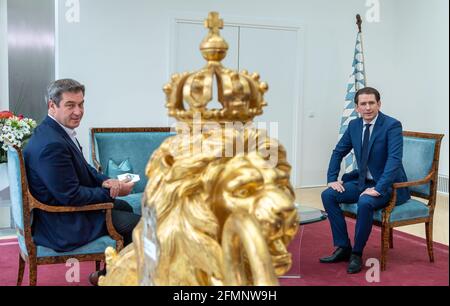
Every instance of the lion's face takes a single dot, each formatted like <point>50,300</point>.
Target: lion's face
<point>248,183</point>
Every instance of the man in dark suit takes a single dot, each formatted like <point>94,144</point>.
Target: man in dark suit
<point>377,142</point>
<point>59,175</point>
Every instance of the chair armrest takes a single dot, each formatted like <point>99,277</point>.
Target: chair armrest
<point>427,179</point>
<point>101,206</point>
<point>68,209</point>
<point>392,202</point>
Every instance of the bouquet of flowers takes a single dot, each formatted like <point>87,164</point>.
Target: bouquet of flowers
<point>14,130</point>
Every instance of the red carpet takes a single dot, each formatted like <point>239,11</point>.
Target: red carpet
<point>407,263</point>
<point>48,275</point>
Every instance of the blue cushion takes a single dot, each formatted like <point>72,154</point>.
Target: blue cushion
<point>114,169</point>
<point>418,155</point>
<point>97,246</point>
<point>410,210</point>
<point>138,147</point>
<point>15,187</point>
<point>135,201</point>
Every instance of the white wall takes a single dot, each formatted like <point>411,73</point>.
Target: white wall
<point>120,50</point>
<point>422,51</point>
<point>4,103</point>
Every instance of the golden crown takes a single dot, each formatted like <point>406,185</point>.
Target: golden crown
<point>241,94</point>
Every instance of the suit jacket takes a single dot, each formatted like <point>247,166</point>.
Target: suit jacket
<point>385,155</point>
<point>59,175</point>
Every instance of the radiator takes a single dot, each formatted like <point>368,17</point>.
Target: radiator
<point>442,184</point>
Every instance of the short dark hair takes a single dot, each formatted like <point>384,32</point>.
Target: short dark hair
<point>58,87</point>
<point>368,91</point>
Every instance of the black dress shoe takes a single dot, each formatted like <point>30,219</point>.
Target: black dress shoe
<point>340,254</point>
<point>355,264</point>
<point>94,276</point>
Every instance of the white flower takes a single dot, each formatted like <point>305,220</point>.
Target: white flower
<point>15,131</point>
<point>10,137</point>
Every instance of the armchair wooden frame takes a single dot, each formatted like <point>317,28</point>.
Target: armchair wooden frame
<point>94,131</point>
<point>30,203</point>
<point>387,240</point>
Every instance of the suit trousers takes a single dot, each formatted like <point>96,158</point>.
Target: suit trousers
<point>366,207</point>
<point>124,220</point>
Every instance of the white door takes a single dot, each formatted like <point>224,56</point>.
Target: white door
<point>272,52</point>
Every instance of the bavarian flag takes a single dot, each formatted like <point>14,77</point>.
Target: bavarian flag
<point>356,82</point>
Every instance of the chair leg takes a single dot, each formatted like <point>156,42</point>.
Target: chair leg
<point>21,271</point>
<point>33,272</point>
<point>391,238</point>
<point>429,235</point>
<point>384,246</point>
<point>97,265</point>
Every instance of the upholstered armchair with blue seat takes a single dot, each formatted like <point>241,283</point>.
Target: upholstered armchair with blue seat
<point>23,204</point>
<point>118,151</point>
<point>421,163</point>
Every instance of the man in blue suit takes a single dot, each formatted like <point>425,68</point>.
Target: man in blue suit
<point>59,175</point>
<point>377,142</point>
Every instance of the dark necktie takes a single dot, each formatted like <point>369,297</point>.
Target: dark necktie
<point>364,158</point>
<point>79,146</point>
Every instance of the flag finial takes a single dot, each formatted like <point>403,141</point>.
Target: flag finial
<point>359,22</point>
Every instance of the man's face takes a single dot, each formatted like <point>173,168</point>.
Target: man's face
<point>70,110</point>
<point>368,107</point>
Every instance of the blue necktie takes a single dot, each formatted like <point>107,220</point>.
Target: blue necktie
<point>364,158</point>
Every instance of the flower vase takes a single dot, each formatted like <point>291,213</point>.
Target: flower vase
<point>3,156</point>
<point>5,198</point>
<point>4,181</point>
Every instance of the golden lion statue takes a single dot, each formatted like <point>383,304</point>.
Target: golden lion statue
<point>194,196</point>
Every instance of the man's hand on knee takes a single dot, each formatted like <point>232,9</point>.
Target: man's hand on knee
<point>338,186</point>
<point>371,192</point>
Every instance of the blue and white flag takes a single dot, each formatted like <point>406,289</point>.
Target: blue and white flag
<point>356,82</point>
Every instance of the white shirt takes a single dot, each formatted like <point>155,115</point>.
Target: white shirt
<point>69,132</point>
<point>372,123</point>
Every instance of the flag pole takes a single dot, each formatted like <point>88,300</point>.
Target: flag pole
<point>359,23</point>
<point>356,81</point>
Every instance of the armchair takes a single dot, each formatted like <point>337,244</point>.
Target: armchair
<point>23,204</point>
<point>121,150</point>
<point>421,163</point>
